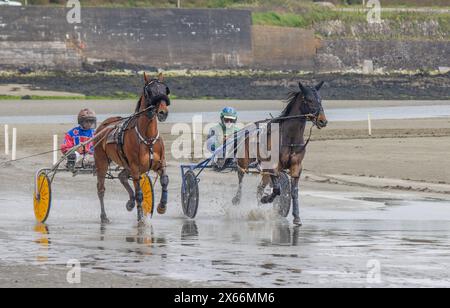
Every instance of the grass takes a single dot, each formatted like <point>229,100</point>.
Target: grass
<point>396,20</point>
<point>315,15</point>
<point>306,20</point>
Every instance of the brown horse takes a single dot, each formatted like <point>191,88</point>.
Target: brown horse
<point>303,105</point>
<point>142,148</point>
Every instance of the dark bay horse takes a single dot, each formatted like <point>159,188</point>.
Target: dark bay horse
<point>142,149</point>
<point>302,106</point>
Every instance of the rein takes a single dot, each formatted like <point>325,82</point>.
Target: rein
<point>277,119</point>
<point>312,117</point>
<point>98,134</point>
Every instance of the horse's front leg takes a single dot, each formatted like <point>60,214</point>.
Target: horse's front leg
<point>164,180</point>
<point>262,187</point>
<point>295,205</point>
<point>237,198</point>
<point>296,172</point>
<point>123,177</point>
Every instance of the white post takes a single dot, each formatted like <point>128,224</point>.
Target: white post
<point>197,125</point>
<point>6,140</point>
<point>370,124</point>
<point>14,144</point>
<point>55,149</point>
<point>194,132</point>
<point>179,4</point>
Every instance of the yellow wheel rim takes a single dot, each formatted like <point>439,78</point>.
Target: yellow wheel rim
<point>42,201</point>
<point>147,190</point>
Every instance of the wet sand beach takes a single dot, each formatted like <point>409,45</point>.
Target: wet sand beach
<point>383,198</point>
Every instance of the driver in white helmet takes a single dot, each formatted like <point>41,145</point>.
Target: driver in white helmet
<point>219,134</point>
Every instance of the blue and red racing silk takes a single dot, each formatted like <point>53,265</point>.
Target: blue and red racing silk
<point>76,136</point>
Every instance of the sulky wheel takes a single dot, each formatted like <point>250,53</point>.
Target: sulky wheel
<point>283,202</point>
<point>42,197</point>
<point>190,194</point>
<point>148,204</point>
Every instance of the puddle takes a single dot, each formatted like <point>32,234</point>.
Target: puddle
<point>411,242</point>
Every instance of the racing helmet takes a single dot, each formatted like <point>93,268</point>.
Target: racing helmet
<point>228,115</point>
<point>87,116</point>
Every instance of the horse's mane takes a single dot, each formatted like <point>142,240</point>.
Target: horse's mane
<point>138,106</point>
<point>290,101</point>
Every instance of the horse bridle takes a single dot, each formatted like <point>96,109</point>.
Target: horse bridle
<point>151,114</point>
<point>151,99</point>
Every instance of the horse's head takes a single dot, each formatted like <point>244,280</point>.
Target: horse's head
<point>156,94</point>
<point>312,104</point>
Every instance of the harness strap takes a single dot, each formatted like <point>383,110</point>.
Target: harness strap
<point>293,145</point>
<point>120,142</point>
<point>148,142</point>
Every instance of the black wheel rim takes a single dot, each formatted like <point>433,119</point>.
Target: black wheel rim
<point>283,202</point>
<point>190,195</point>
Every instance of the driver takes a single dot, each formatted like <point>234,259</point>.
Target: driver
<point>87,121</point>
<point>219,134</point>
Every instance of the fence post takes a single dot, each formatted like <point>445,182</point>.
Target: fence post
<point>14,144</point>
<point>6,139</point>
<point>369,124</point>
<point>55,149</point>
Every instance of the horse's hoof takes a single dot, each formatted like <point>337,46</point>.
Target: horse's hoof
<point>105,220</point>
<point>298,222</point>
<point>162,209</point>
<point>131,205</point>
<point>266,200</point>
<point>236,201</point>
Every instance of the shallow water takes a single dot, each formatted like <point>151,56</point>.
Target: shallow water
<point>345,237</point>
<point>335,115</point>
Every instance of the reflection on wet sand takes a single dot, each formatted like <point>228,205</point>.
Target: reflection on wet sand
<point>43,240</point>
<point>284,234</point>
<point>189,230</point>
<point>144,236</point>
<point>265,253</point>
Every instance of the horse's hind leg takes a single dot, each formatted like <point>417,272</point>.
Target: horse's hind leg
<point>237,199</point>
<point>276,190</point>
<point>102,164</point>
<point>123,177</point>
<point>164,180</point>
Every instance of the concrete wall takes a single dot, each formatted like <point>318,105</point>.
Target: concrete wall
<point>40,37</point>
<point>160,38</point>
<point>347,54</point>
<point>15,55</point>
<point>284,48</point>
